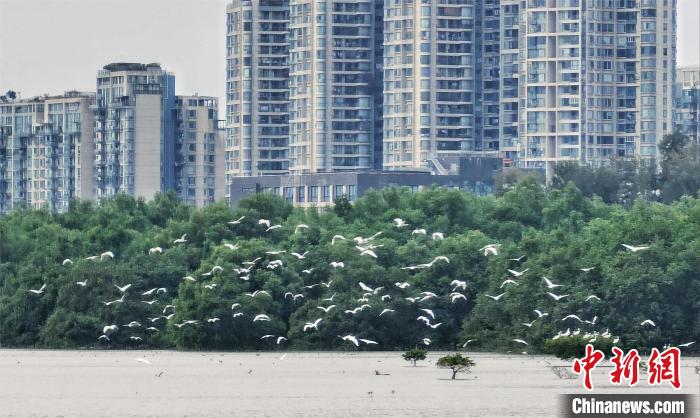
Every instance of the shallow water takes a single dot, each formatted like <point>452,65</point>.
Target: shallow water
<point>191,384</point>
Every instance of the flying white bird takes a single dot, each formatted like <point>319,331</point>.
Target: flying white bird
<point>330,299</point>
<point>549,283</point>
<point>412,300</point>
<point>83,283</point>
<point>429,312</point>
<point>273,227</point>
<point>300,256</point>
<point>424,319</point>
<point>540,314</point>
<point>235,305</point>
<point>257,292</point>
<point>458,283</point>
<point>592,297</point>
<point>215,269</point>
<point>265,222</point>
<point>188,322</point>
<point>274,264</point>
<point>517,259</point>
<point>529,325</point>
<point>517,273</point>
<point>326,309</point>
<point>686,344</point>
<point>401,285</point>
<point>279,340</point>
<point>161,290</point>
<point>135,338</point>
<point>168,307</point>
<point>593,321</point>
<point>237,314</point>
<point>491,249</point>
<point>438,258</point>
<point>300,226</point>
<point>181,240</point>
<point>155,250</point>
<point>367,341</point>
<point>400,223</point>
<point>494,297</point>
<point>337,237</point>
<point>634,249</point>
<point>369,253</point>
<point>313,325</point>
<point>433,326</point>
<point>120,300</point>
<point>92,257</point>
<point>520,341</point>
<point>264,337</point>
<point>337,264</point>
<point>556,297</point>
<point>455,296</point>
<point>261,317</point>
<point>237,221</point>
<point>232,246</point>
<point>427,341</point>
<point>468,342</point>
<point>437,236</point>
<point>103,337</point>
<point>648,322</point>
<point>106,254</point>
<point>275,252</point>
<point>133,324</point>
<point>213,320</point>
<point>190,278</point>
<point>109,328</point>
<point>210,286</point>
<point>365,287</point>
<point>508,281</point>
<point>123,288</point>
<point>251,263</point>
<point>67,261</point>
<point>353,311</point>
<point>385,297</point>
<point>149,292</point>
<point>350,338</point>
<point>307,271</point>
<point>572,317</point>
<point>587,269</point>
<point>419,231</point>
<point>149,302</point>
<point>152,329</point>
<point>386,311</point>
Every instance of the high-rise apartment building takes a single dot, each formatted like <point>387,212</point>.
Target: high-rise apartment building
<point>596,79</point>
<point>46,152</point>
<point>134,130</point>
<point>199,150</point>
<point>429,82</point>
<point>334,85</point>
<point>509,75</point>
<point>257,91</point>
<point>688,102</point>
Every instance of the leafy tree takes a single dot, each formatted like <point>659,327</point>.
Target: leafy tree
<point>415,354</point>
<point>457,363</point>
<point>574,346</point>
<point>342,207</point>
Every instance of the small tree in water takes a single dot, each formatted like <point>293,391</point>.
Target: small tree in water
<point>415,354</point>
<point>457,363</point>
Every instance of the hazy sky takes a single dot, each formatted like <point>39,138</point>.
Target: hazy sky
<point>49,46</point>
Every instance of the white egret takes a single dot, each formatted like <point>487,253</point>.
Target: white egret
<point>83,283</point>
<point>455,296</point>
<point>549,283</point>
<point>556,297</point>
<point>437,236</point>
<point>155,250</point>
<point>123,288</point>
<point>299,256</point>
<point>520,341</point>
<point>232,246</point>
<point>648,322</point>
<point>634,249</point>
<point>491,249</point>
<point>517,273</point>
<point>387,310</point>
<point>313,325</point>
<point>419,231</point>
<point>261,317</point>
<point>326,309</point>
<point>109,328</point>
<point>540,314</point>
<point>508,281</point>
<point>149,292</point>
<point>300,226</point>
<point>400,223</point>
<point>572,317</point>
<point>401,285</point>
<point>517,259</point>
<point>237,221</point>
<point>181,240</point>
<point>592,297</point>
<point>106,254</point>
<point>495,297</point>
<point>350,338</point>
<point>67,261</point>
<point>265,222</point>
<point>279,340</point>
<point>337,264</point>
<point>368,342</point>
<point>337,237</point>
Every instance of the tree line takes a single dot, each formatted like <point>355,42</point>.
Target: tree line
<point>558,230</point>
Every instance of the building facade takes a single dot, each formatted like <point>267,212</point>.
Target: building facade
<point>596,79</point>
<point>334,82</point>
<point>688,102</point>
<point>134,130</point>
<point>257,88</point>
<point>429,82</point>
<point>46,152</point>
<point>199,150</point>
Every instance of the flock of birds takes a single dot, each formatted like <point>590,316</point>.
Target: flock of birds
<point>371,296</point>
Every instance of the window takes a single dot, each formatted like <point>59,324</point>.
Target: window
<point>325,193</point>
<point>289,194</point>
<point>313,193</point>
<point>338,191</point>
<point>352,192</point>
<point>301,194</point>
